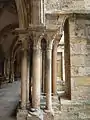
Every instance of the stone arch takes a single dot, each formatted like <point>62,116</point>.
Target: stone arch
<point>22,13</point>
<point>4,33</point>
<point>17,62</point>
<point>6,29</point>
<point>61,21</point>
<point>15,50</point>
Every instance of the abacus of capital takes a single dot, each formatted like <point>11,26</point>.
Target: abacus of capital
<point>31,109</point>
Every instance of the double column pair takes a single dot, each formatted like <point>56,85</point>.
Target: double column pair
<point>36,91</point>
<point>36,88</point>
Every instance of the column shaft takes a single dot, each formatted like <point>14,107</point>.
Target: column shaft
<point>36,79</point>
<point>12,71</point>
<point>5,67</point>
<point>44,75</point>
<point>27,82</point>
<point>24,75</point>
<point>48,79</point>
<point>54,69</point>
<point>30,73</point>
<point>63,65</point>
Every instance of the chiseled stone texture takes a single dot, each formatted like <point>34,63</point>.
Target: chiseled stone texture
<point>67,5</point>
<point>48,116</point>
<point>79,56</point>
<point>80,88</point>
<point>75,111</point>
<point>21,114</point>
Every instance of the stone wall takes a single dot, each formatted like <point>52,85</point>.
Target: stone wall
<point>67,5</point>
<point>79,55</point>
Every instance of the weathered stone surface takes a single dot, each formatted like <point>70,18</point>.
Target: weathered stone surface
<point>78,60</point>
<point>78,71</point>
<point>73,110</point>
<point>65,5</point>
<point>80,88</point>
<point>78,48</point>
<point>79,56</point>
<point>22,114</point>
<point>38,115</point>
<point>48,116</point>
<point>9,98</point>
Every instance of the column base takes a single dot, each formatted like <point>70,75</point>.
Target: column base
<point>48,115</point>
<point>36,115</point>
<point>41,115</point>
<point>22,114</point>
<point>28,105</point>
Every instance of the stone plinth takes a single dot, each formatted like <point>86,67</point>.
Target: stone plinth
<point>22,114</point>
<point>40,115</point>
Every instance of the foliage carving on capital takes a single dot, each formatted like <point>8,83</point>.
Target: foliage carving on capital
<point>37,37</point>
<point>52,36</point>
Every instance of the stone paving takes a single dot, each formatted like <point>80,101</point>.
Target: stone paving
<point>9,97</point>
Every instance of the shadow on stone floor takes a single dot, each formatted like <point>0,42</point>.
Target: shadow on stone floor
<point>14,112</point>
<point>12,115</point>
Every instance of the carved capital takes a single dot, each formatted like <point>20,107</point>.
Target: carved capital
<point>36,34</point>
<point>51,36</point>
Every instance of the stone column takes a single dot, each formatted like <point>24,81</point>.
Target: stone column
<point>43,45</point>
<point>44,80</point>
<point>41,72</point>
<point>30,71</point>
<point>48,77</point>
<point>8,69</point>
<point>27,82</point>
<point>24,70</point>
<point>12,71</point>
<point>36,77</point>
<point>54,68</point>
<point>5,67</point>
<point>63,65</point>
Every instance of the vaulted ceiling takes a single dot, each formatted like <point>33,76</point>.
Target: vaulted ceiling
<point>8,22</point>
